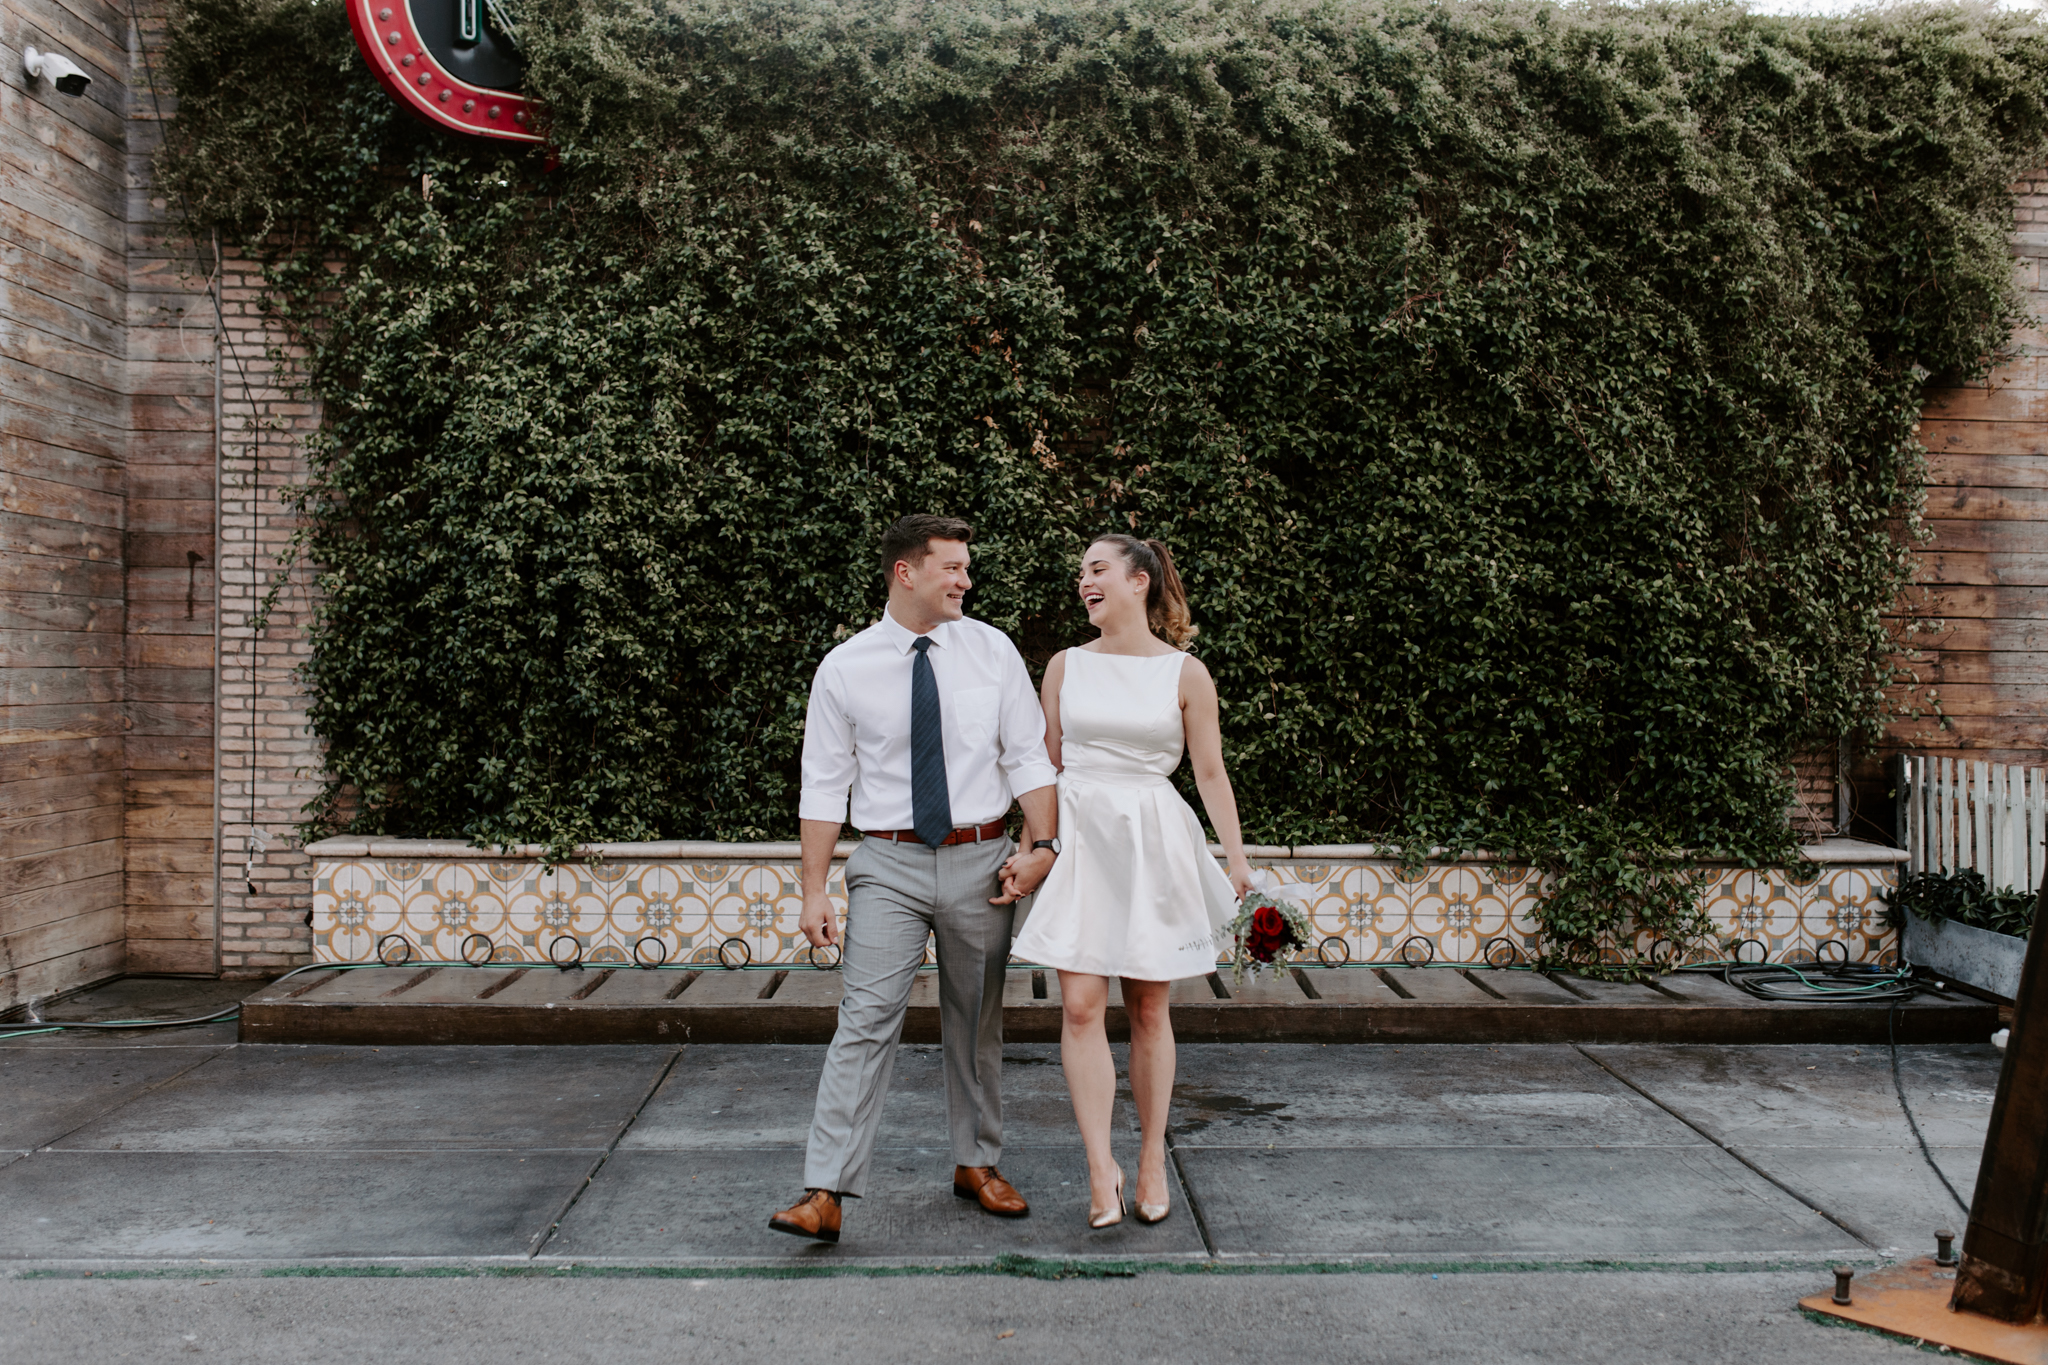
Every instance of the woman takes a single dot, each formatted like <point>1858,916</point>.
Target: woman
<point>1134,892</point>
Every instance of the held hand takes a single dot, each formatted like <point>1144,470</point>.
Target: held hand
<point>1021,875</point>
<point>817,920</point>
<point>1241,879</point>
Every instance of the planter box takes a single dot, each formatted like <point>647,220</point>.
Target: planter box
<point>1975,957</point>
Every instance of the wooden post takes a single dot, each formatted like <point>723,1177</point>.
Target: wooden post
<point>2005,1251</point>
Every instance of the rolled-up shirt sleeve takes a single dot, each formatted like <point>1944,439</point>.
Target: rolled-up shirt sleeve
<point>828,764</point>
<point>1022,731</point>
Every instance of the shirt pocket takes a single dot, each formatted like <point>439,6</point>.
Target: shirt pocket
<point>976,712</point>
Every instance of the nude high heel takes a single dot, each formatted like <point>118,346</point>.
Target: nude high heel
<point>1148,1214</point>
<point>1109,1218</point>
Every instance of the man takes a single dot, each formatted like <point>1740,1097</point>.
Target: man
<point>931,720</point>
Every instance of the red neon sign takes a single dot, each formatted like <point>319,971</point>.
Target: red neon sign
<point>445,61</point>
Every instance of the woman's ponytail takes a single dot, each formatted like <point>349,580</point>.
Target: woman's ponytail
<point>1166,606</point>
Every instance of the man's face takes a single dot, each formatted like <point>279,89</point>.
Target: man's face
<point>937,585</point>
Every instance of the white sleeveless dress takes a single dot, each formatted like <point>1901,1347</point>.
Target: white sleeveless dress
<point>1135,891</point>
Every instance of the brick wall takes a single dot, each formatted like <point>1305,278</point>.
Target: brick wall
<point>269,760</point>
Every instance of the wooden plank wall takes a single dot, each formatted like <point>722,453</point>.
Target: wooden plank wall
<point>63,440</point>
<point>170,553</point>
<point>87,359</point>
<point>1984,577</point>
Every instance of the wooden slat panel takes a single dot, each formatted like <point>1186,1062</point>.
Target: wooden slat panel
<point>87,319</point>
<point>1974,569</point>
<point>60,938</point>
<point>2014,668</point>
<point>171,412</point>
<point>34,724</point>
<point>2014,700</point>
<point>72,539</point>
<point>95,963</point>
<point>169,753</point>
<point>1963,503</point>
<point>1978,601</point>
<point>2004,404</point>
<point>71,649</point>
<point>2016,537</point>
<point>1992,738</point>
<point>52,795</point>
<point>23,230</point>
<point>66,900</point>
<point>159,718</point>
<point>37,687</point>
<point>158,594</point>
<point>40,870</point>
<point>168,890</point>
<point>159,789</point>
<point>58,758</point>
<point>59,576</point>
<point>37,216</point>
<point>177,455</point>
<point>174,651</point>
<point>66,279</point>
<point>168,957</point>
<point>170,822</point>
<point>1989,634</point>
<point>176,685</point>
<point>43,480</point>
<point>60,372</point>
<point>1946,470</point>
<point>25,834</point>
<point>1984,438</point>
<point>193,921</point>
<point>190,856</point>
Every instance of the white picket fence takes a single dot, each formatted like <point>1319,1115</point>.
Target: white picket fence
<point>1955,813</point>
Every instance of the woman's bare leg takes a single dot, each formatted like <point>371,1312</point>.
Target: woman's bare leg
<point>1091,1077</point>
<point>1152,1065</point>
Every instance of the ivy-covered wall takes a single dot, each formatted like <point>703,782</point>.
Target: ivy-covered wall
<point>1527,392</point>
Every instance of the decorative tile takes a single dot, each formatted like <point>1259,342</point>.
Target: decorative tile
<point>687,910</point>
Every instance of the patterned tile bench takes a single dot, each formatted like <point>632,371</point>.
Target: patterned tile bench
<point>680,902</point>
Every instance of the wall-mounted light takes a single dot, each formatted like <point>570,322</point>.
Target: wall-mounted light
<point>56,68</point>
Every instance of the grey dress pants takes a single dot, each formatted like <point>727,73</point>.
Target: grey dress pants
<point>896,895</point>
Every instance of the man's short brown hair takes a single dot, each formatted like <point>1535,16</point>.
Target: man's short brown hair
<point>910,538</point>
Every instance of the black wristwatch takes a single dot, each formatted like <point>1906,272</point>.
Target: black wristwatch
<point>1052,844</point>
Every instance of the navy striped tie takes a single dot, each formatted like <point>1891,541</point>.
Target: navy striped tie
<point>931,806</point>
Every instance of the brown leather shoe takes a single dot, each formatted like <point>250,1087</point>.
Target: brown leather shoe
<point>815,1215</point>
<point>986,1186</point>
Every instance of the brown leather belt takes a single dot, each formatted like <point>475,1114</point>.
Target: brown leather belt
<point>966,834</point>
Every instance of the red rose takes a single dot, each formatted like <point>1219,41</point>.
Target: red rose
<point>1269,934</point>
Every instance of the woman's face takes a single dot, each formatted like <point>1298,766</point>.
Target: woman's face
<point>1108,588</point>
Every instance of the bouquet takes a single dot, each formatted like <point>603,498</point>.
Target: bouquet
<point>1268,931</point>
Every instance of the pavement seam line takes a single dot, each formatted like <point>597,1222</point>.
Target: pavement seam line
<point>554,1224</point>
<point>1899,1089</point>
<point>152,1087</point>
<point>1187,1188</point>
<point>1854,1229</point>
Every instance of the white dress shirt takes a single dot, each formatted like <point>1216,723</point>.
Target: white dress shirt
<point>857,733</point>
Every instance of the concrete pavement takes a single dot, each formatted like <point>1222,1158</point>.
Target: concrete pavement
<point>581,1194</point>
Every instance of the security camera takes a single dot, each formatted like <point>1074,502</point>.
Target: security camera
<point>57,68</point>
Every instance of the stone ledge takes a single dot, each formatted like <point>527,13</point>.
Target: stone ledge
<point>1834,852</point>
